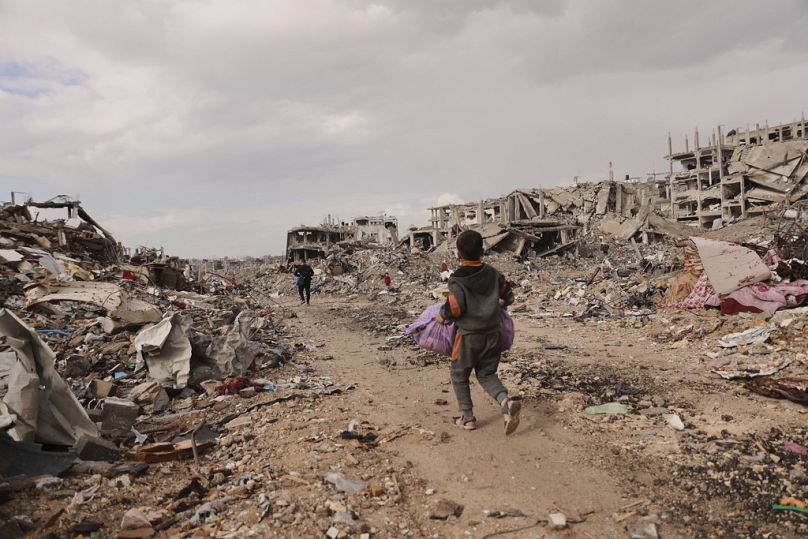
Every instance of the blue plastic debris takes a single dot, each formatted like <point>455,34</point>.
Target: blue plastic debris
<point>55,332</point>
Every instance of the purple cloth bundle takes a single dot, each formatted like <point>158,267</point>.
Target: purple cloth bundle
<point>439,338</point>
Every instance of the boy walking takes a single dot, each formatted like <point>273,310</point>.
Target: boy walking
<point>477,292</point>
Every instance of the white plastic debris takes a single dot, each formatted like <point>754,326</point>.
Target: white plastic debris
<point>674,421</point>
<point>343,484</point>
<point>557,520</point>
<point>750,336</point>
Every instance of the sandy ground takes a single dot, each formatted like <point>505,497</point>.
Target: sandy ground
<point>610,475</point>
<point>608,470</point>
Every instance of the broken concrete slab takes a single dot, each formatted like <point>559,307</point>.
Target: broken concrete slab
<point>729,266</point>
<point>107,296</point>
<point>133,311</point>
<point>150,395</point>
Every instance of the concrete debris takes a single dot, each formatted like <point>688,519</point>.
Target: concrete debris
<point>343,484</point>
<point>729,266</point>
<point>117,417</point>
<point>151,396</point>
<point>96,449</point>
<point>657,320</point>
<point>446,508</point>
<point>557,521</point>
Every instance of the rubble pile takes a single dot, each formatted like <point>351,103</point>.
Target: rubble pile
<point>100,360</point>
<point>141,394</point>
<point>133,408</point>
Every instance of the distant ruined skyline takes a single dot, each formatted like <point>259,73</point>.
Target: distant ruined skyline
<point>210,128</point>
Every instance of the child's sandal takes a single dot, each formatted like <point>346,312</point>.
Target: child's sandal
<point>510,411</point>
<point>467,423</point>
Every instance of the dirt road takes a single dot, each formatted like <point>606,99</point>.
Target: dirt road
<point>612,471</point>
<point>543,468</point>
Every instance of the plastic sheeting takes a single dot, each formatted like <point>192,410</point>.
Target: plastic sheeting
<point>46,409</point>
<point>165,350</point>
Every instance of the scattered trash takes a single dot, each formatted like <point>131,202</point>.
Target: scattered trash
<point>796,448</point>
<point>744,366</point>
<point>674,421</point>
<point>802,510</point>
<point>515,513</point>
<point>751,336</point>
<point>345,485</point>
<point>609,408</point>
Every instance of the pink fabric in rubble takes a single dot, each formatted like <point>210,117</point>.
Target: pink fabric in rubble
<point>703,295</point>
<point>761,297</point>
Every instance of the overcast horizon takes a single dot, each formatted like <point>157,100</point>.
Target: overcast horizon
<point>211,127</point>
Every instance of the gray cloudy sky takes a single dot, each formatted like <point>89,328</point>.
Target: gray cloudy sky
<point>212,126</point>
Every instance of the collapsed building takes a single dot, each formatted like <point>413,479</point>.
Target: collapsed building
<point>309,243</point>
<point>540,221</point>
<point>738,175</point>
<point>73,231</point>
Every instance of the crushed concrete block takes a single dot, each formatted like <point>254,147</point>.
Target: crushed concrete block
<point>118,416</point>
<point>92,448</point>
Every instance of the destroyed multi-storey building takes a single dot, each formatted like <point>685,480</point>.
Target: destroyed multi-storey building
<point>539,221</point>
<point>308,243</point>
<point>741,174</point>
<point>376,229</point>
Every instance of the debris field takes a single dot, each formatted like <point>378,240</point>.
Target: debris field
<point>663,369</point>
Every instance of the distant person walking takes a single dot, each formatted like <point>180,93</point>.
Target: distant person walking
<point>387,280</point>
<point>304,273</point>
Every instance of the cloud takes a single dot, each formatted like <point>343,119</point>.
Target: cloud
<point>178,120</point>
<point>445,199</point>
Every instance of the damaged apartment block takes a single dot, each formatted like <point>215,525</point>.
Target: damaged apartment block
<point>743,173</point>
<point>540,222</point>
<point>310,243</point>
<point>738,175</point>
